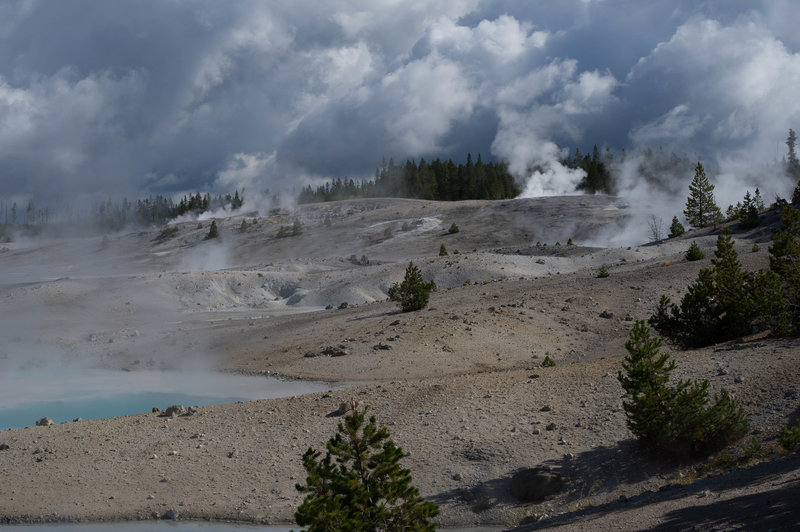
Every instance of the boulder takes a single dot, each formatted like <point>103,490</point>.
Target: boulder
<point>535,484</point>
<point>44,422</point>
<point>174,411</point>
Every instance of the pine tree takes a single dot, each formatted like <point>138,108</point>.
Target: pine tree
<point>676,229</point>
<point>413,293</point>
<point>678,420</point>
<point>701,210</point>
<point>793,164</point>
<point>213,232</point>
<point>366,489</point>
<point>442,251</point>
<point>748,212</point>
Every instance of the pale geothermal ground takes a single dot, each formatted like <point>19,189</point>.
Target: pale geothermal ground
<point>459,385</point>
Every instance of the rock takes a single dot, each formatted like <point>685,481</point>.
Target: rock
<point>380,346</point>
<point>457,476</point>
<point>346,407</point>
<point>44,422</point>
<point>551,426</point>
<point>539,261</point>
<point>738,379</point>
<point>4,447</point>
<point>606,314</point>
<point>545,408</point>
<point>343,305</point>
<point>77,420</point>
<point>156,410</point>
<point>174,411</point>
<point>335,351</point>
<point>535,484</point>
<point>171,514</point>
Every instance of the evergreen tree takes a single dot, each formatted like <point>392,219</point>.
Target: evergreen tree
<point>678,420</point>
<point>784,262</point>
<point>676,229</point>
<point>793,164</point>
<point>701,210</point>
<point>442,251</point>
<point>213,232</point>
<point>366,489</point>
<point>413,293</point>
<point>748,212</point>
<point>694,253</point>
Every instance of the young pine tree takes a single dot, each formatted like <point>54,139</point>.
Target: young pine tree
<point>413,293</point>
<point>701,210</point>
<point>213,232</point>
<point>676,229</point>
<point>676,421</point>
<point>359,485</point>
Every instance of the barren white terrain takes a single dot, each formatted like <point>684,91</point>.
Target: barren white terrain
<point>459,385</point>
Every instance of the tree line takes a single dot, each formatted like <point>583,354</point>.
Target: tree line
<point>435,180</point>
<point>109,215</point>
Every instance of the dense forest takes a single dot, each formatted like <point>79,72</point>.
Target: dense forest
<point>436,180</point>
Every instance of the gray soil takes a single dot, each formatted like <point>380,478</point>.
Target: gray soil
<point>459,385</point>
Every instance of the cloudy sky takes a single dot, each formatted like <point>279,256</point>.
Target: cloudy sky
<point>163,96</point>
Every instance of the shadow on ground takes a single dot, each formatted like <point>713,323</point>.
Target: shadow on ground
<point>774,508</point>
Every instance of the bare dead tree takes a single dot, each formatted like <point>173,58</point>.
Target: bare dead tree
<point>656,225</point>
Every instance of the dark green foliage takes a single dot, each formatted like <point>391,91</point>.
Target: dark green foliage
<point>413,293</point>
<point>359,485</point>
<point>790,437</point>
<point>243,227</point>
<point>720,305</point>
<point>388,233</point>
<point>785,263</point>
<point>213,232</point>
<point>701,210</point>
<point>453,229</point>
<point>569,242</point>
<point>694,252</point>
<point>603,273</point>
<point>748,213</point>
<point>793,164</point>
<point>436,180</point>
<point>548,362</point>
<point>598,178</point>
<point>442,251</point>
<point>755,248</point>
<point>677,421</point>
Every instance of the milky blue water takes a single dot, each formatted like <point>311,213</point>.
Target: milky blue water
<point>26,397</point>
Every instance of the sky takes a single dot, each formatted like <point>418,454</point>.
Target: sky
<point>137,97</point>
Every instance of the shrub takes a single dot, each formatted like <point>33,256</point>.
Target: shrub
<point>388,233</point>
<point>603,273</point>
<point>676,229</point>
<point>548,362</point>
<point>453,229</point>
<point>413,293</point>
<point>755,248</point>
<point>442,251</point>
<point>721,304</point>
<point>366,488</point>
<point>213,232</point>
<point>694,252</point>
<point>675,421</point>
<point>243,227</point>
<point>790,437</point>
<point>406,227</point>
<point>569,242</point>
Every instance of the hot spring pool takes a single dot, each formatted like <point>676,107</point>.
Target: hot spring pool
<point>27,396</point>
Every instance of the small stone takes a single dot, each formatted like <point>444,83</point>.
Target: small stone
<point>545,408</point>
<point>551,426</point>
<point>606,314</point>
<point>457,477</point>
<point>150,497</point>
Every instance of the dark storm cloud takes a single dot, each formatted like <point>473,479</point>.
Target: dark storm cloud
<point>136,96</point>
